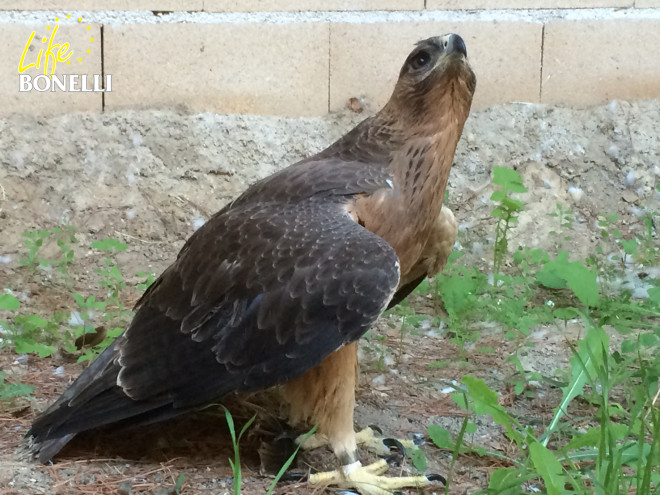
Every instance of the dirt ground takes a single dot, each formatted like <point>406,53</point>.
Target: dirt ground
<point>150,178</point>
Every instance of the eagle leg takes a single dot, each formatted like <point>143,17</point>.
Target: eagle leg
<point>325,395</point>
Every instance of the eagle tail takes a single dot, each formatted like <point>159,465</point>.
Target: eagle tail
<point>58,425</point>
<point>94,400</point>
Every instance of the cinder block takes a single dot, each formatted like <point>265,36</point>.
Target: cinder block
<point>309,5</point>
<point>270,69</point>
<point>523,4</point>
<point>14,39</point>
<point>365,59</point>
<point>70,7</point>
<point>589,62</point>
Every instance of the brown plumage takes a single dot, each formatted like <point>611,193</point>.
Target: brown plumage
<point>277,287</point>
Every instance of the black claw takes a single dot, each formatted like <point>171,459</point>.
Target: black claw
<point>290,476</point>
<point>394,459</point>
<point>347,492</point>
<point>376,429</point>
<point>393,443</point>
<point>437,477</point>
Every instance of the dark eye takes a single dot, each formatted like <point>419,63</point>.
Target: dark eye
<point>420,60</point>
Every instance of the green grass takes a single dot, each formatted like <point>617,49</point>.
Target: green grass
<point>620,452</point>
<point>235,464</point>
<point>44,334</point>
<point>235,440</point>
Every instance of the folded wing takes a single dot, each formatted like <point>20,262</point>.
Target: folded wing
<point>263,292</point>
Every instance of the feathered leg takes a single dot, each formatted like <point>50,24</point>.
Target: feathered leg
<point>325,395</point>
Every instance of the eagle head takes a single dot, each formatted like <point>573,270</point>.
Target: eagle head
<point>435,80</point>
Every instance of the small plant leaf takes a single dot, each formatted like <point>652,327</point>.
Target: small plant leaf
<point>548,467</point>
<point>583,283</point>
<point>593,436</point>
<point>485,402</point>
<point>31,322</point>
<point>505,481</point>
<point>10,390</point>
<point>565,313</point>
<point>418,459</point>
<point>179,483</point>
<point>9,302</point>
<point>582,370</point>
<point>109,244</point>
<point>630,246</point>
<point>509,179</point>
<point>560,273</point>
<point>27,347</point>
<point>440,437</point>
<point>648,339</point>
<point>550,280</point>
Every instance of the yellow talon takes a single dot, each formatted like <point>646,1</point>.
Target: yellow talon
<point>367,480</point>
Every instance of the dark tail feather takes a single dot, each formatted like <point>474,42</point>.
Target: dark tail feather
<point>55,428</point>
<point>163,385</point>
<point>43,451</point>
<point>93,400</point>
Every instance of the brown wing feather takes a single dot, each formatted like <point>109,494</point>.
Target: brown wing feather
<point>303,280</point>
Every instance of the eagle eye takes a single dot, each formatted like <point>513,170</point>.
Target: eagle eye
<point>420,60</point>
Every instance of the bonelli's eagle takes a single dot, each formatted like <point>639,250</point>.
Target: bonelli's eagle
<point>277,287</point>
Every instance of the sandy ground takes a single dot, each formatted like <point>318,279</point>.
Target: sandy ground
<point>151,178</point>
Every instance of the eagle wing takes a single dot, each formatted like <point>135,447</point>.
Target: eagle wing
<point>264,291</point>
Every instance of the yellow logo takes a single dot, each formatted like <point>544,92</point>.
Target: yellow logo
<point>54,51</point>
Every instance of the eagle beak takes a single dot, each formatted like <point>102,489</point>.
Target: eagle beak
<point>453,43</point>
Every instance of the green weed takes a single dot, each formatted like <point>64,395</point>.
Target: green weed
<point>84,332</point>
<point>9,302</point>
<point>235,440</point>
<point>30,334</point>
<point>619,455</point>
<point>10,390</point>
<point>621,452</point>
<point>235,464</point>
<point>179,484</point>
<point>461,290</point>
<point>506,211</point>
<point>37,239</point>
<point>565,219</point>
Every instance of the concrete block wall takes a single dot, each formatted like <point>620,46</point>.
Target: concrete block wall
<point>308,57</point>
